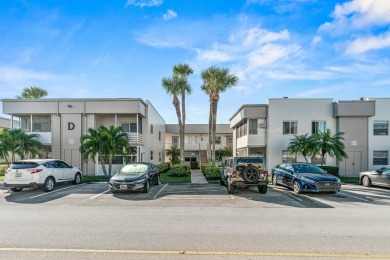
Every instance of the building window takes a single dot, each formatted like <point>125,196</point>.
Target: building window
<point>159,156</point>
<point>217,140</point>
<point>241,129</point>
<point>318,126</point>
<point>151,155</point>
<point>129,127</point>
<point>290,127</point>
<point>287,157</point>
<point>253,126</point>
<point>175,141</point>
<point>22,122</point>
<point>190,139</point>
<point>380,157</point>
<point>151,128</point>
<point>139,125</point>
<point>229,141</point>
<point>159,135</point>
<point>381,127</point>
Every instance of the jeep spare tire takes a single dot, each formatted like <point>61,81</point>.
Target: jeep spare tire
<point>251,174</point>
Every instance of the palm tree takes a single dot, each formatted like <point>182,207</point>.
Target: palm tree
<point>182,71</point>
<point>32,92</point>
<point>17,142</point>
<point>325,143</point>
<point>106,143</point>
<point>215,81</point>
<point>173,154</point>
<point>301,144</point>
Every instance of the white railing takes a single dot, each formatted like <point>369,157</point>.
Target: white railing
<point>135,138</point>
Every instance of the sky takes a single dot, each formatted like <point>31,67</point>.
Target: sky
<point>123,49</point>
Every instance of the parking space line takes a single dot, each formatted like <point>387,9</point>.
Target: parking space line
<point>99,194</point>
<point>288,194</point>
<point>158,193</point>
<point>56,191</point>
<point>354,197</point>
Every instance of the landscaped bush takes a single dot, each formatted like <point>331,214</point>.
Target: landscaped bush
<point>212,173</point>
<point>163,167</point>
<point>203,166</point>
<point>2,169</point>
<point>179,170</point>
<point>331,169</point>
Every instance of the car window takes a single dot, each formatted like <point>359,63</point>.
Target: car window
<point>62,164</point>
<point>132,169</point>
<point>249,160</point>
<point>288,167</point>
<point>307,168</point>
<point>24,165</point>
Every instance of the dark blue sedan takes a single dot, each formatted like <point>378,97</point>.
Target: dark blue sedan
<point>304,177</point>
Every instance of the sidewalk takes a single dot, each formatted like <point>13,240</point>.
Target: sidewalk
<point>197,177</point>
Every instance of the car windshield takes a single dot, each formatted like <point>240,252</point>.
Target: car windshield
<point>307,168</point>
<point>249,160</point>
<point>133,169</point>
<point>24,165</point>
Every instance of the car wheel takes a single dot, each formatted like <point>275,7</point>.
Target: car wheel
<point>274,180</point>
<point>366,181</point>
<point>16,189</point>
<point>48,185</point>
<point>146,187</point>
<point>221,182</point>
<point>251,174</point>
<point>262,189</point>
<point>158,180</point>
<point>229,187</point>
<point>297,186</point>
<point>77,179</point>
<point>113,191</point>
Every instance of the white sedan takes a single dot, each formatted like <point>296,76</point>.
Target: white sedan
<point>43,173</point>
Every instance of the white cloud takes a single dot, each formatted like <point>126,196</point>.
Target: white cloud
<point>143,3</point>
<point>364,44</point>
<point>312,93</point>
<point>169,15</point>
<point>316,39</point>
<point>13,74</point>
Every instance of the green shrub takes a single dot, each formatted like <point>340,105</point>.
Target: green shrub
<point>163,167</point>
<point>212,173</point>
<point>203,166</point>
<point>2,169</point>
<point>331,170</point>
<point>179,170</point>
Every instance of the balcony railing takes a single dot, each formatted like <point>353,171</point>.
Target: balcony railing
<point>136,139</point>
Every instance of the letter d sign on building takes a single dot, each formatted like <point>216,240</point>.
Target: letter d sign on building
<point>71,126</point>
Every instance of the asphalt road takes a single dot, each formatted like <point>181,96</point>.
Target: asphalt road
<point>193,221</point>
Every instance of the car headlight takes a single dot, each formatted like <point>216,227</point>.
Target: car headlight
<point>307,180</point>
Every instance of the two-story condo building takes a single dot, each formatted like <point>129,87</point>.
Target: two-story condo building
<point>61,122</point>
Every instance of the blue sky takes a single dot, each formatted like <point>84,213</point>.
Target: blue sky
<point>277,48</point>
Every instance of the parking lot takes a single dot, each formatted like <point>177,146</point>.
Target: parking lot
<point>197,195</point>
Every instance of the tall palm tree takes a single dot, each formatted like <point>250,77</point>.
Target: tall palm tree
<point>106,143</point>
<point>300,144</point>
<point>17,142</point>
<point>182,71</point>
<point>32,92</point>
<point>215,81</point>
<point>326,143</point>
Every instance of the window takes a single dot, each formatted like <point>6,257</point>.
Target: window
<point>129,127</point>
<point>241,129</point>
<point>287,157</point>
<point>159,135</point>
<point>175,141</point>
<point>151,128</point>
<point>229,141</point>
<point>380,157</point>
<point>22,122</point>
<point>318,126</point>
<point>381,127</point>
<point>139,125</point>
<point>290,127</point>
<point>115,160</point>
<point>190,139</point>
<point>253,126</point>
<point>217,140</point>
<point>159,156</point>
<point>151,155</point>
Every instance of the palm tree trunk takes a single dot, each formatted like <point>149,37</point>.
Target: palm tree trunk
<point>109,166</point>
<point>213,129</point>
<point>103,166</point>
<point>176,103</point>
<point>183,126</point>
<point>210,127</point>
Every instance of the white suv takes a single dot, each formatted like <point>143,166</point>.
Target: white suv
<point>43,173</point>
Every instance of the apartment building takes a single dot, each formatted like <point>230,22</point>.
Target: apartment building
<point>196,140</point>
<point>61,122</point>
<point>4,123</point>
<point>268,128</point>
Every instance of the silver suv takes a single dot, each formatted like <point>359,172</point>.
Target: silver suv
<point>244,171</point>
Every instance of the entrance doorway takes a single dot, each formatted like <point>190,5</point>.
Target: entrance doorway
<point>353,164</point>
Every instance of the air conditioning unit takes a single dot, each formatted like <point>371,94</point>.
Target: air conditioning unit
<point>262,125</point>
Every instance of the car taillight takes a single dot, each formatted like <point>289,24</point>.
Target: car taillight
<point>34,171</point>
<point>234,174</point>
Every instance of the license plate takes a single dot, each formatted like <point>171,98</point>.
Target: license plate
<point>18,174</point>
<point>123,187</point>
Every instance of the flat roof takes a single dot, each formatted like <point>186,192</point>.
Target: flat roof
<point>246,105</point>
<point>198,129</point>
<point>71,99</point>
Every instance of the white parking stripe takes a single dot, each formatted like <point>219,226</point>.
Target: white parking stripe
<point>55,191</point>
<point>158,193</point>
<point>288,194</point>
<point>346,194</point>
<point>99,194</point>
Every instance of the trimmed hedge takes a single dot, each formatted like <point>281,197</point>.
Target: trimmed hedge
<point>212,173</point>
<point>203,166</point>
<point>163,167</point>
<point>179,170</point>
<point>331,169</point>
<point>3,168</point>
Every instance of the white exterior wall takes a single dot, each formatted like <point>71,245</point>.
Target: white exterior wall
<point>304,111</point>
<point>378,142</point>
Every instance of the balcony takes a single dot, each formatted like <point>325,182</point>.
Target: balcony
<point>135,139</point>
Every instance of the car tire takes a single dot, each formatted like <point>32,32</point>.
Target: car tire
<point>230,188</point>
<point>274,180</point>
<point>297,186</point>
<point>366,181</point>
<point>113,191</point>
<point>16,189</point>
<point>251,174</point>
<point>48,185</point>
<point>158,180</point>
<point>262,189</point>
<point>146,187</point>
<point>77,179</point>
<point>221,182</point>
